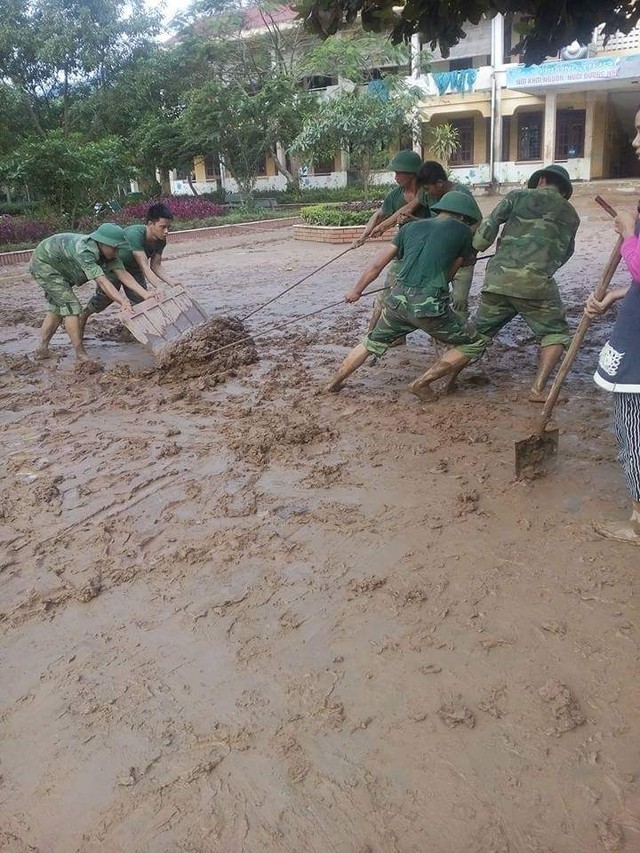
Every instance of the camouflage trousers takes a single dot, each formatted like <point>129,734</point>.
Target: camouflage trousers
<point>389,282</point>
<point>545,317</point>
<point>397,321</point>
<point>99,301</point>
<point>61,300</point>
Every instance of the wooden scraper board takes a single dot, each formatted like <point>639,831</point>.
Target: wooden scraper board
<point>158,321</point>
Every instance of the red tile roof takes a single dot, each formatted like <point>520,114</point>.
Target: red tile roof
<point>254,18</point>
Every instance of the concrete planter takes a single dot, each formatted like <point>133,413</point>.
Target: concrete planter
<point>335,233</point>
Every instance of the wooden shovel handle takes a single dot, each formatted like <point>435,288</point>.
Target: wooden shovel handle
<point>606,206</point>
<point>581,331</point>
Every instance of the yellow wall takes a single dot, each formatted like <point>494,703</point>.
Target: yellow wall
<point>198,166</point>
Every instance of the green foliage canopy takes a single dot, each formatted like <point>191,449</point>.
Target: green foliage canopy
<point>364,122</point>
<point>70,172</point>
<point>546,25</point>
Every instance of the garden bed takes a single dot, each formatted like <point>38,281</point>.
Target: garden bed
<point>336,233</point>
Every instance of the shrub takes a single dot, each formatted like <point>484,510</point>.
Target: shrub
<point>355,213</point>
<point>19,208</point>
<point>318,195</point>
<point>17,230</point>
<point>182,207</point>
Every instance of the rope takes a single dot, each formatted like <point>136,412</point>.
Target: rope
<point>284,325</point>
<point>295,284</point>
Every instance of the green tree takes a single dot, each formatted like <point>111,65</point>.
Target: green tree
<point>362,122</point>
<point>55,51</point>
<point>355,56</point>
<point>443,140</point>
<point>242,126</point>
<point>68,172</point>
<point>546,26</point>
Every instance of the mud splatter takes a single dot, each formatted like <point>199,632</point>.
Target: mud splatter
<point>563,706</point>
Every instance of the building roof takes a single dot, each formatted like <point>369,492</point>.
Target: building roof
<point>255,18</point>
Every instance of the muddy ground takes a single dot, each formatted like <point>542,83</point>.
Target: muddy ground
<point>241,616</point>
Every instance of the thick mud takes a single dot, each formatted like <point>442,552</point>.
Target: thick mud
<point>217,346</point>
<point>253,617</point>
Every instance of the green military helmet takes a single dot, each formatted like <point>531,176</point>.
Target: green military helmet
<point>110,234</point>
<point>559,172</point>
<point>458,202</point>
<point>405,161</point>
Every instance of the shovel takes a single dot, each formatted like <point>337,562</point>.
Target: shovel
<point>158,321</point>
<point>537,454</point>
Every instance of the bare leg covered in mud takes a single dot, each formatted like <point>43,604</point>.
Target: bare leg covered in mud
<point>84,316</point>
<point>49,327</point>
<point>549,357</point>
<point>352,362</point>
<point>451,362</point>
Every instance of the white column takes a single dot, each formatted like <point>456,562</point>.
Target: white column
<point>589,122</point>
<point>497,60</point>
<point>497,41</point>
<point>549,147</point>
<point>416,49</point>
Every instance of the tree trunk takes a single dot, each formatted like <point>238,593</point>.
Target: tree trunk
<point>191,185</point>
<point>65,103</point>
<point>365,172</point>
<point>165,183</point>
<point>281,167</point>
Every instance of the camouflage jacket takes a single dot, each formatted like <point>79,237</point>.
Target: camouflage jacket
<point>73,256</point>
<point>537,239</point>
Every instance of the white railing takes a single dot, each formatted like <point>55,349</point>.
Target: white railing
<point>620,41</point>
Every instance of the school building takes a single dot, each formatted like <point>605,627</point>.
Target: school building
<point>576,109</point>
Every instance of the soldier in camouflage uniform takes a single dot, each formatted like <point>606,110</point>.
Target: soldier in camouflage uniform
<point>141,258</point>
<point>537,239</point>
<point>432,178</point>
<point>405,165</point>
<point>430,252</point>
<point>64,261</point>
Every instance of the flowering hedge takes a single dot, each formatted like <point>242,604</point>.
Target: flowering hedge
<point>182,207</point>
<point>18,230</point>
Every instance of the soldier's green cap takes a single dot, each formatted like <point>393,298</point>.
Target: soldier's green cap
<point>456,202</point>
<point>559,172</point>
<point>110,234</point>
<point>405,161</point>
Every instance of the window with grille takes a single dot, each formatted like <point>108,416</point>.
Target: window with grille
<point>324,167</point>
<point>506,139</point>
<point>530,136</point>
<point>570,134</point>
<point>463,156</point>
<point>211,167</point>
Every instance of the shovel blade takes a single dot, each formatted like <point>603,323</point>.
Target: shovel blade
<point>537,454</point>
